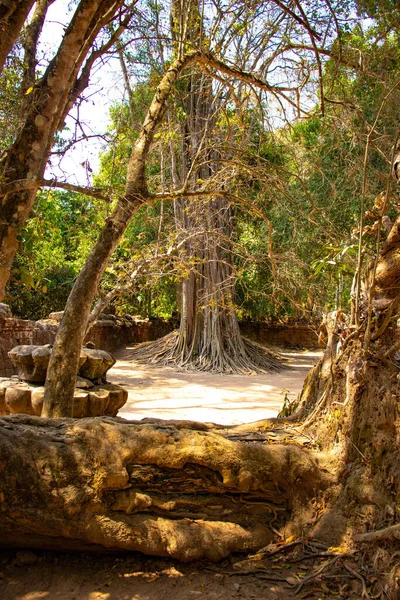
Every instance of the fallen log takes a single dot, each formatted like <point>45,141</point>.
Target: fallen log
<point>165,489</point>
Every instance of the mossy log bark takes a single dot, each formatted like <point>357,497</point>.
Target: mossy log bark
<point>162,488</point>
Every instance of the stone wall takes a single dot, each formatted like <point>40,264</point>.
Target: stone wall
<point>106,335</point>
<point>113,335</point>
<point>16,332</point>
<point>285,336</point>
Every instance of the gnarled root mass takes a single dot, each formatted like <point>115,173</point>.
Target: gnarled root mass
<point>162,488</point>
<point>246,357</point>
<point>352,408</point>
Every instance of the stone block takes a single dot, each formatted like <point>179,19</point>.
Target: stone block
<point>80,404</point>
<point>118,397</point>
<point>18,399</point>
<point>98,401</point>
<point>37,398</point>
<point>31,361</point>
<point>96,364</point>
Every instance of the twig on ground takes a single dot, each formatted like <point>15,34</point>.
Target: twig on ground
<point>281,548</point>
<point>316,573</point>
<point>257,572</point>
<point>360,578</point>
<point>318,555</point>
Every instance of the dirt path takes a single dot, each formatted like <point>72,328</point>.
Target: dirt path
<point>225,399</point>
<point>134,577</point>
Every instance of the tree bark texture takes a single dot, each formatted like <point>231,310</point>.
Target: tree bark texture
<point>27,157</point>
<point>161,488</point>
<point>31,37</point>
<point>350,402</point>
<point>13,14</point>
<point>387,278</point>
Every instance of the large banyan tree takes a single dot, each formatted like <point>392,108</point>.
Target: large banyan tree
<point>208,337</point>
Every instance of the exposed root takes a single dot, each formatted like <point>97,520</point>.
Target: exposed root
<point>389,533</point>
<point>303,568</point>
<point>249,359</point>
<point>120,485</point>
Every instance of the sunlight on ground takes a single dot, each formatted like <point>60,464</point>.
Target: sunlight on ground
<point>161,392</point>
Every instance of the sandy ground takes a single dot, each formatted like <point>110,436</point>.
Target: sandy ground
<point>133,577</point>
<point>225,399</point>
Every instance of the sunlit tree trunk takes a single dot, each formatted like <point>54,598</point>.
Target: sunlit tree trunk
<point>63,365</point>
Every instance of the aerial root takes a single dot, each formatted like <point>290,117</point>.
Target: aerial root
<point>250,359</point>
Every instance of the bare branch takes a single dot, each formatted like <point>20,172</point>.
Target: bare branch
<point>26,184</point>
<point>302,21</point>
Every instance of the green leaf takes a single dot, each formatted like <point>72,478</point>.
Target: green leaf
<point>27,279</point>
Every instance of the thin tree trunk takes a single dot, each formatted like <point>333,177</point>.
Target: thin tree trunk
<point>64,359</point>
<point>31,37</point>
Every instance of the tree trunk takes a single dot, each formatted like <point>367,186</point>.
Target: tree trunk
<point>162,488</point>
<point>63,364</point>
<point>13,14</point>
<point>209,336</point>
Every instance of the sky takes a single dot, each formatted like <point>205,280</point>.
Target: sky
<point>106,86</point>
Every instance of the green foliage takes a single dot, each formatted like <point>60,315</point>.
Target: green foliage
<point>305,181</point>
<point>10,100</point>
<point>53,246</point>
<point>335,262</point>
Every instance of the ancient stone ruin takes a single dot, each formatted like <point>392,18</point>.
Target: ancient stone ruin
<point>24,393</point>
